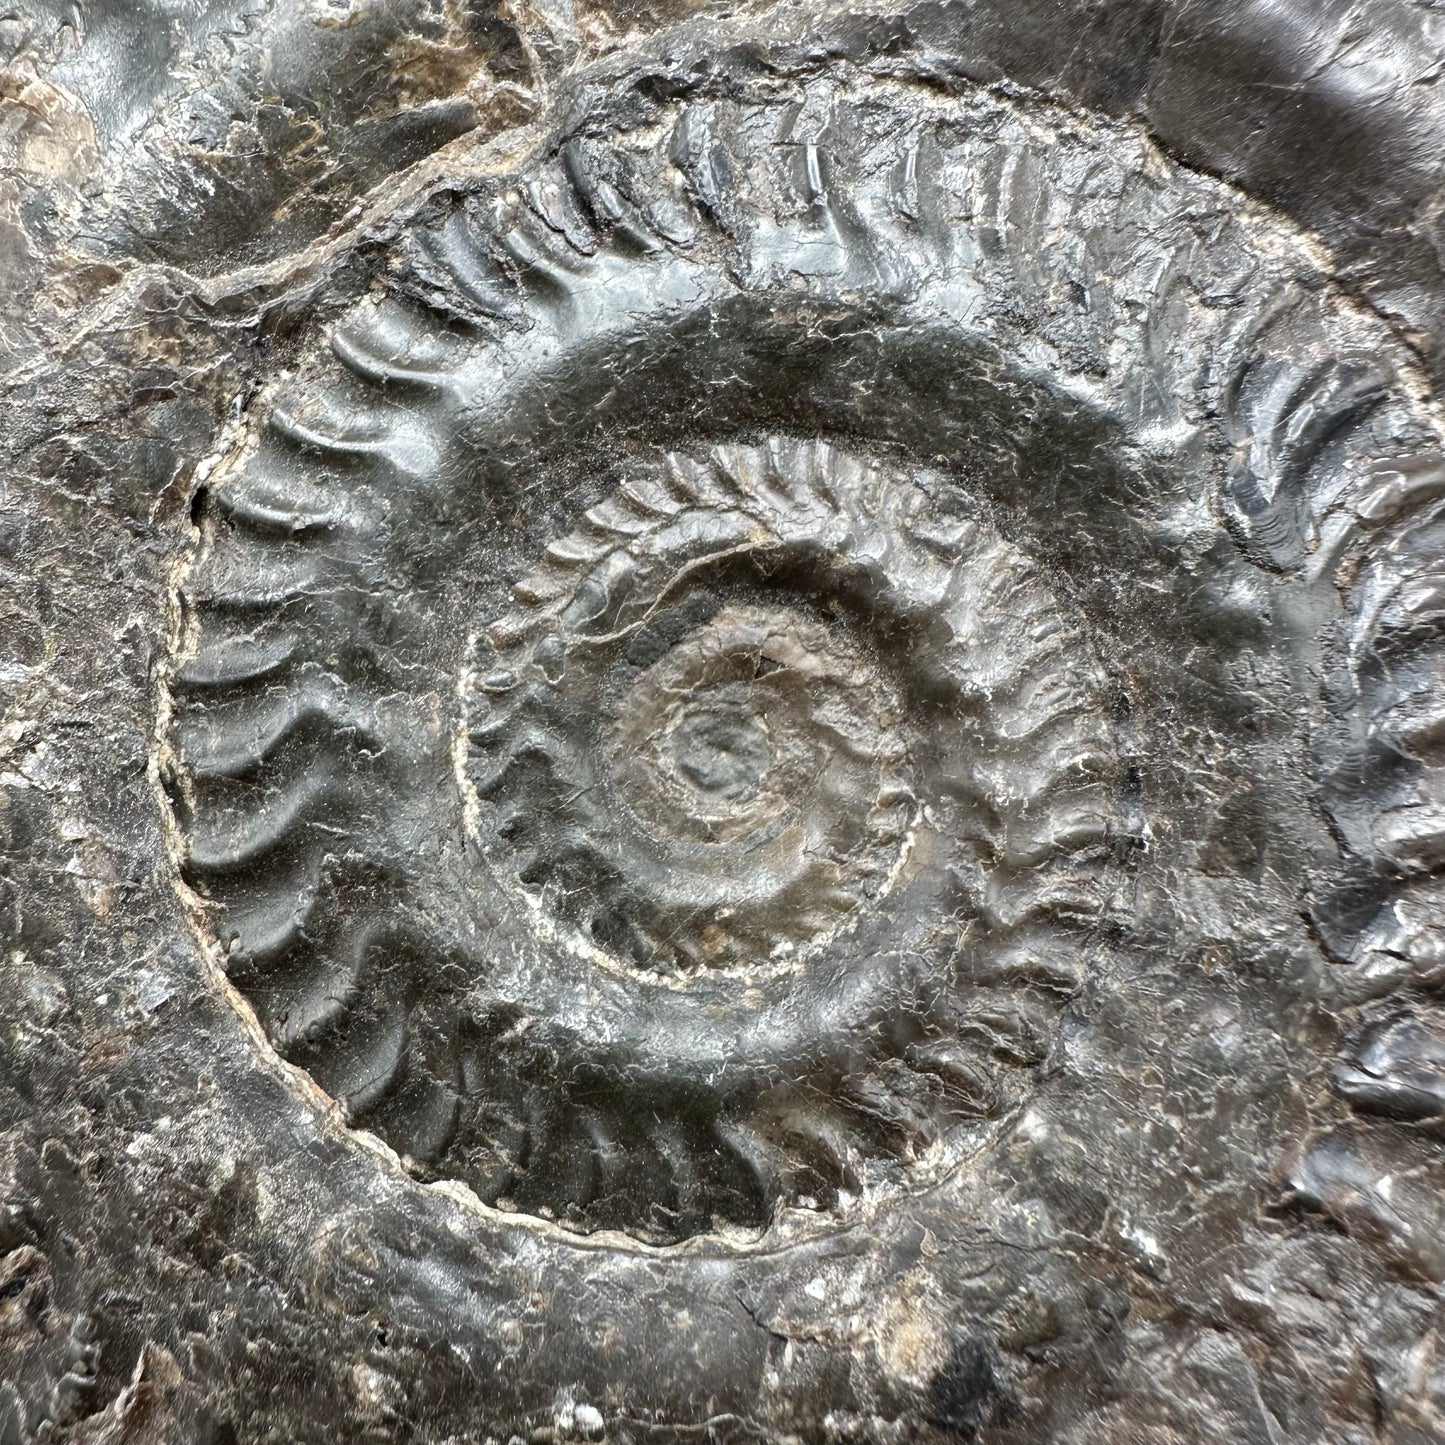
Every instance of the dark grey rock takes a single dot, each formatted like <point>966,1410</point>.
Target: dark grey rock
<point>721,727</point>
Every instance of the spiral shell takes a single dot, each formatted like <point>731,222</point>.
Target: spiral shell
<point>727,779</point>
<point>638,723</point>
<point>697,770</point>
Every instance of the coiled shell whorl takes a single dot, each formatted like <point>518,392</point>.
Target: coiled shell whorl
<point>655,719</point>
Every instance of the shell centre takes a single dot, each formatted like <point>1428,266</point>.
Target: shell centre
<point>722,749</point>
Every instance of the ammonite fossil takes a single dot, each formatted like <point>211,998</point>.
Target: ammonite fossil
<point>667,714</point>
<point>719,806</point>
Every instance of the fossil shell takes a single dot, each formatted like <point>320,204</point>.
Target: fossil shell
<point>637,720</point>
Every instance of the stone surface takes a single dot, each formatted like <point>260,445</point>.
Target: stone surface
<point>721,725</point>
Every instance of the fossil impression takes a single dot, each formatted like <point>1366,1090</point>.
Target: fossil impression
<point>739,852</point>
